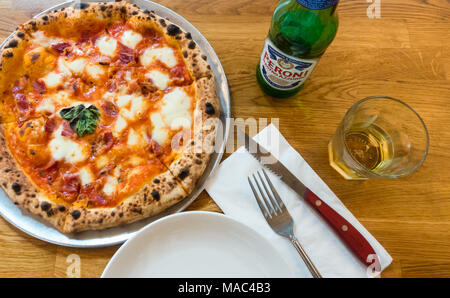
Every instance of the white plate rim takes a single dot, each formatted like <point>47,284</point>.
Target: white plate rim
<point>168,218</point>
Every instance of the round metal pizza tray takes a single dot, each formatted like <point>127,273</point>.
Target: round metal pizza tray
<point>36,227</point>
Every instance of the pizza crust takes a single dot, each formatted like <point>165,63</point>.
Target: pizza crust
<point>167,188</point>
<point>24,193</point>
<point>163,192</point>
<point>194,158</point>
<point>193,55</point>
<point>195,59</point>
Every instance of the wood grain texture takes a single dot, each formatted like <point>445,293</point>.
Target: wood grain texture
<point>404,54</point>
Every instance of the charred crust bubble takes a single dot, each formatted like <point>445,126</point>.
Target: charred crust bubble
<point>185,54</point>
<point>156,180</point>
<point>21,35</point>
<point>8,54</point>
<point>123,9</point>
<point>156,195</point>
<point>191,45</point>
<point>17,188</point>
<point>61,208</point>
<point>45,18</point>
<point>12,44</point>
<point>76,214</point>
<point>102,7</point>
<point>162,22</point>
<point>173,30</point>
<point>209,109</point>
<point>45,206</point>
<point>134,13</point>
<point>183,173</point>
<point>81,5</point>
<point>188,35</point>
<point>136,210</point>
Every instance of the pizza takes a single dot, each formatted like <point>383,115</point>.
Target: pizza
<point>108,115</point>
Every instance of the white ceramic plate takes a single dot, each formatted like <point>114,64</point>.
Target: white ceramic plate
<point>197,244</point>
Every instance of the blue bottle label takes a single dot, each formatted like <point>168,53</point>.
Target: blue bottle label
<point>317,4</point>
<point>281,71</point>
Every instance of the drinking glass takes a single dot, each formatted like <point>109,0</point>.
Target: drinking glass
<point>379,137</point>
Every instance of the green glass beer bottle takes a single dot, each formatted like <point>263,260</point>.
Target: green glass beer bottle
<point>300,32</point>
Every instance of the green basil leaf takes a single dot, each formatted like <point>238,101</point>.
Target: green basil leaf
<point>82,120</point>
<point>72,112</point>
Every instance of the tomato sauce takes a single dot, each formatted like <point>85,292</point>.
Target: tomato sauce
<point>30,134</point>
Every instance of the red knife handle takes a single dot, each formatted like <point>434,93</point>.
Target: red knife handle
<point>351,236</point>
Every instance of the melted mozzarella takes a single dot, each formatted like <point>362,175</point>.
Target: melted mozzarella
<point>110,186</point>
<point>132,106</point>
<point>160,132</point>
<point>106,45</point>
<point>76,66</point>
<point>174,114</point>
<point>135,161</point>
<point>128,75</point>
<point>64,148</point>
<point>61,98</point>
<point>124,100</point>
<point>101,161</point>
<point>111,96</point>
<point>50,104</point>
<point>164,54</point>
<point>159,79</point>
<point>53,79</point>
<point>95,71</point>
<point>130,38</point>
<point>86,176</point>
<point>46,105</point>
<point>133,138</point>
<point>176,109</point>
<point>62,67</point>
<point>134,172</point>
<point>41,39</point>
<point>119,126</point>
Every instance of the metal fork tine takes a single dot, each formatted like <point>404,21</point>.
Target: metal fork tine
<point>270,209</point>
<point>275,193</point>
<point>273,203</point>
<point>277,215</point>
<point>258,199</point>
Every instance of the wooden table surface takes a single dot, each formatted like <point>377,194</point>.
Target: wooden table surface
<point>404,54</point>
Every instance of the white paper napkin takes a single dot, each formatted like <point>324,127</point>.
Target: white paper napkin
<point>230,190</point>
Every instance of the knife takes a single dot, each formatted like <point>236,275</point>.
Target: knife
<point>347,232</point>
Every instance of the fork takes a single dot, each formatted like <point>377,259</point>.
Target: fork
<point>277,216</point>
